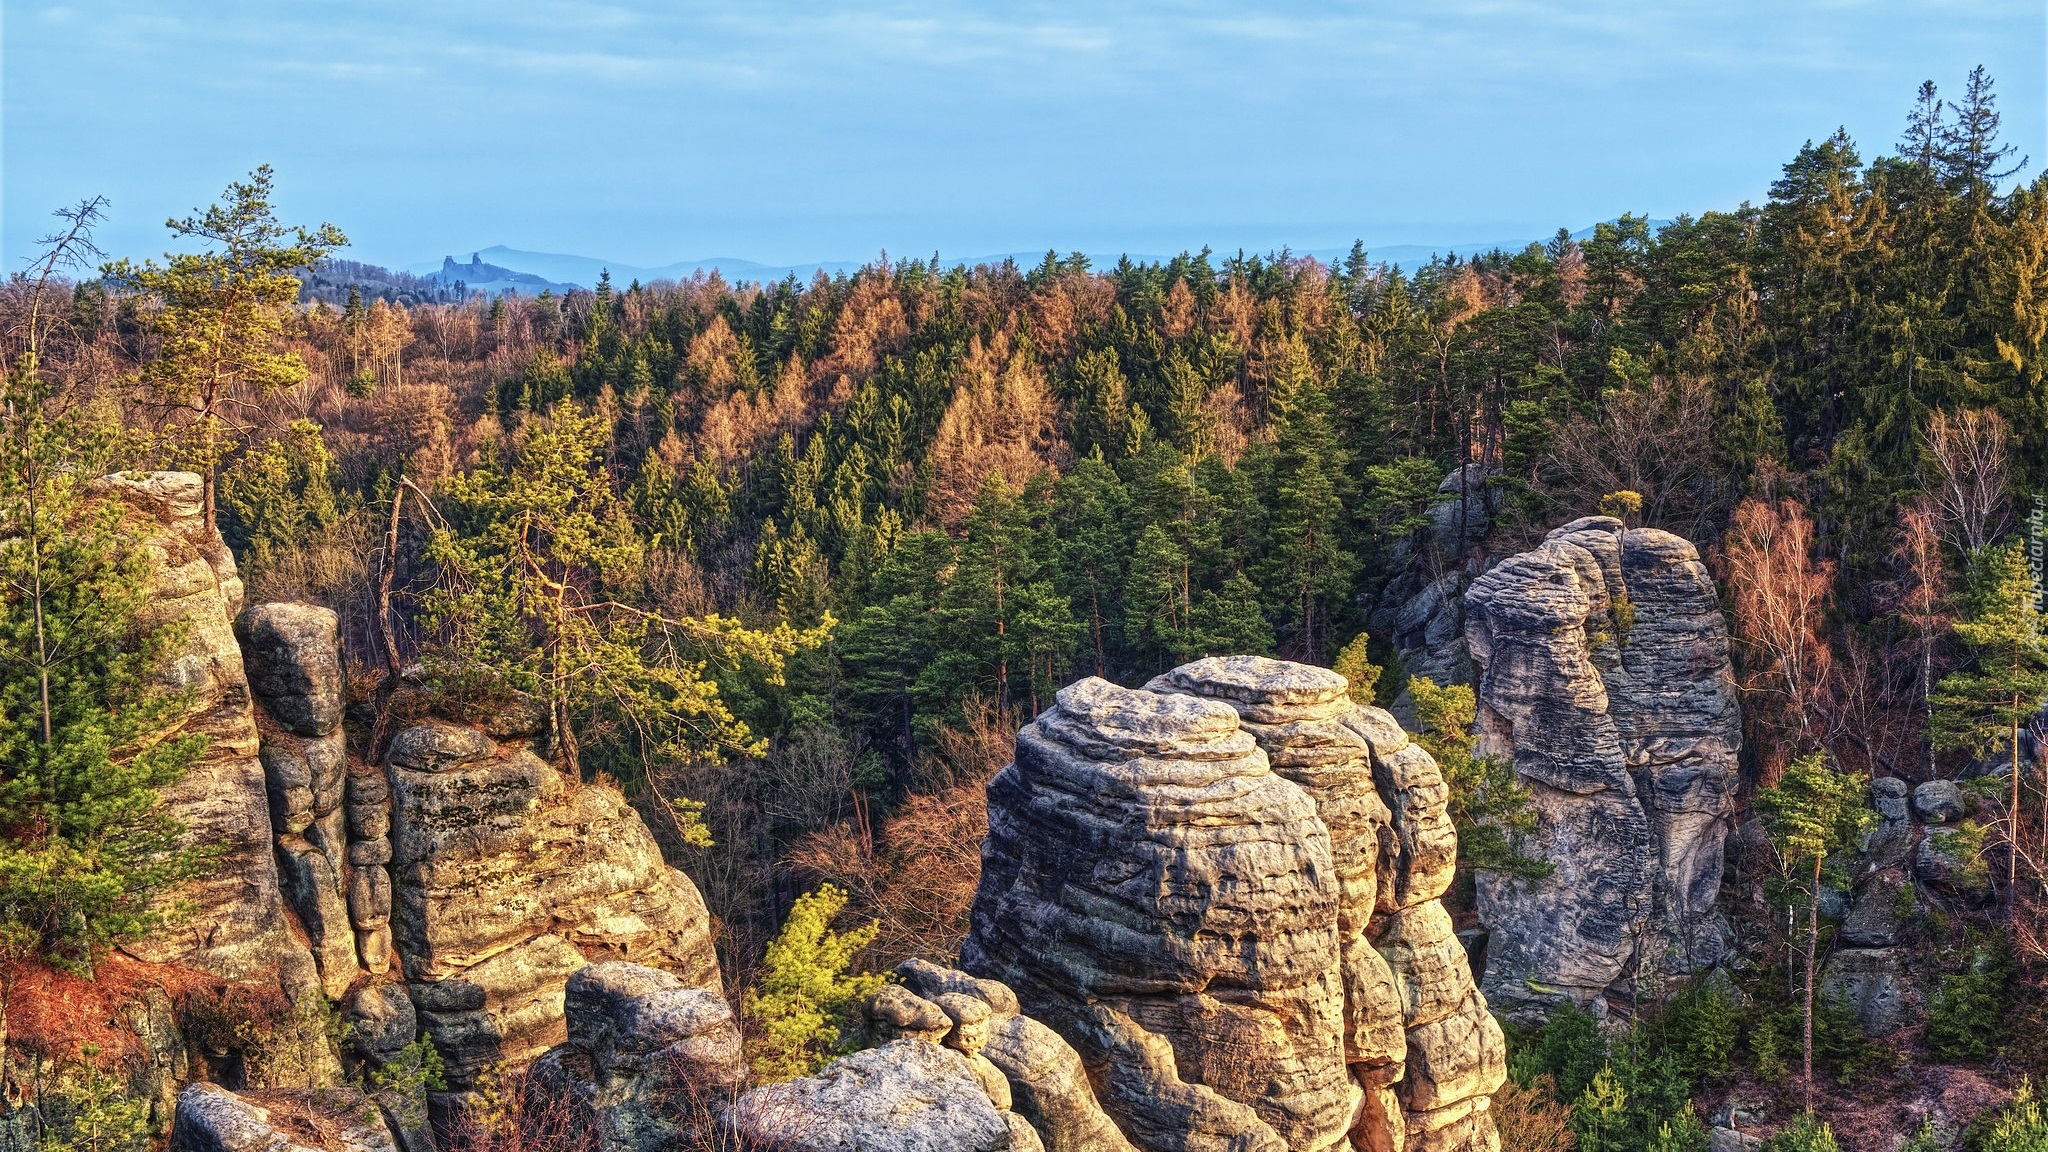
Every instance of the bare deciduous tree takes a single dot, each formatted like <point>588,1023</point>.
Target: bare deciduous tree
<point>1781,595</point>
<point>1969,463</point>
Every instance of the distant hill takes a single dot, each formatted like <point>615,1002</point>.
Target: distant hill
<point>480,275</point>
<point>330,280</point>
<point>499,268</point>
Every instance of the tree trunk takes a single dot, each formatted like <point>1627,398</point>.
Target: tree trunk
<point>2012,862</point>
<point>1812,945</point>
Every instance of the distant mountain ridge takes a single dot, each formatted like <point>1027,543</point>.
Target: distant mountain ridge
<point>499,268</point>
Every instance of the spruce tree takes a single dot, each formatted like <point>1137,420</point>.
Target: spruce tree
<point>88,735</point>
<point>1089,522</point>
<point>1977,710</point>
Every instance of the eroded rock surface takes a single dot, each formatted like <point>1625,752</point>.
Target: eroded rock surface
<point>1191,883</point>
<point>292,653</point>
<point>212,1119</point>
<point>505,875</point>
<point>905,1096</point>
<point>1605,679</point>
<point>243,931</point>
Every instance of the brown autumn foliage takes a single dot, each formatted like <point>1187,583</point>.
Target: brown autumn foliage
<point>1533,1119</point>
<point>1781,594</point>
<point>915,874</point>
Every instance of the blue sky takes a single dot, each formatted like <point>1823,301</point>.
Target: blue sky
<point>781,132</point>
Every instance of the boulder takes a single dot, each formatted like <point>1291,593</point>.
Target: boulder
<point>1873,981</point>
<point>292,652</point>
<point>1939,802</point>
<point>1144,860</point>
<point>1877,918</point>
<point>651,1061</point>
<point>896,1013</point>
<point>1606,680</point>
<point>1730,1140</point>
<point>381,1021</point>
<point>212,1119</point>
<point>1890,842</point>
<point>1950,858</point>
<point>905,1096</point>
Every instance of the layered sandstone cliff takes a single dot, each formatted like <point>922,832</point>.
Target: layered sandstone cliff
<point>1604,677</point>
<point>1222,891</point>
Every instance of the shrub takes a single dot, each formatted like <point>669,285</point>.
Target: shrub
<point>2018,1127</point>
<point>1967,1015</point>
<point>1809,1133</point>
<point>1699,1027</point>
<point>1356,666</point>
<point>799,1015</point>
<point>95,1113</point>
<point>1531,1118</point>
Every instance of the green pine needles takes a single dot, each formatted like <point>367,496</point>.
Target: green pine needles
<point>88,734</point>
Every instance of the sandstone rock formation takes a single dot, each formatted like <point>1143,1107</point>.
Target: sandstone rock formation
<point>294,667</point>
<point>906,1096</point>
<point>506,876</point>
<point>245,933</point>
<point>1203,886</point>
<point>648,1060</point>
<point>1420,611</point>
<point>1605,678</point>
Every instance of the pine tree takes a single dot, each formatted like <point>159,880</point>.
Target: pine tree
<point>1089,519</point>
<point>1357,668</point>
<point>88,739</point>
<point>538,559</point>
<point>1307,568</point>
<point>1158,620</point>
<point>1488,802</point>
<point>1976,711</point>
<point>222,321</point>
<point>806,1001</point>
<point>1811,813</point>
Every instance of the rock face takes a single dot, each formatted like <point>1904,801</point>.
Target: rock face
<point>449,891</point>
<point>292,655</point>
<point>1421,610</point>
<point>906,1096</point>
<point>1605,678</point>
<point>505,875</point>
<point>1203,886</point>
<point>244,932</point>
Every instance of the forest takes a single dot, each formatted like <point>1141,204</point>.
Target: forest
<point>789,563</point>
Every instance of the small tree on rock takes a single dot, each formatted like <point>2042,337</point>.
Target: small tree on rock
<point>1812,813</point>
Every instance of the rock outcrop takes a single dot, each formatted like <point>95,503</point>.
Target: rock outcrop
<point>292,653</point>
<point>650,1061</point>
<point>1218,890</point>
<point>507,877</point>
<point>244,931</point>
<point>1605,678</point>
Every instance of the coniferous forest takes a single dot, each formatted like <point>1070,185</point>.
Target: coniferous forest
<point>787,564</point>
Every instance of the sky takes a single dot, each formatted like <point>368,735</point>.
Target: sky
<point>665,130</point>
